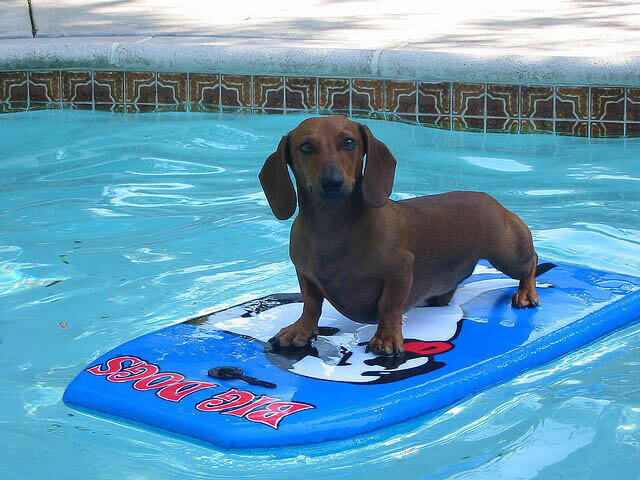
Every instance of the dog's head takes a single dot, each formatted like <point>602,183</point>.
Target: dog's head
<point>326,155</point>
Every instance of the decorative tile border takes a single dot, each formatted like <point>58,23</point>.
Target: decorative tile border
<point>595,112</point>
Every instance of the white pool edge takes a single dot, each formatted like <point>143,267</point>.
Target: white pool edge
<point>287,57</point>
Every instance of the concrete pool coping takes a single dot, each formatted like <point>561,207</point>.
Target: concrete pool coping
<point>270,56</point>
<point>554,42</point>
<point>569,67</point>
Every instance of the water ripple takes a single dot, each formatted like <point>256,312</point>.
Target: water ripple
<point>149,218</point>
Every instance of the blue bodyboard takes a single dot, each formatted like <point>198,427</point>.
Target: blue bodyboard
<point>333,389</point>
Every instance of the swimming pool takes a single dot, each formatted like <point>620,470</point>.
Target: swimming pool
<point>114,226</point>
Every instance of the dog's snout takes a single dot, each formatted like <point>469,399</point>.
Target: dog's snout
<point>332,185</point>
<point>331,182</point>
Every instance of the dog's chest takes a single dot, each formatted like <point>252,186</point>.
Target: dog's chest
<point>346,278</point>
<point>331,261</point>
<point>352,293</point>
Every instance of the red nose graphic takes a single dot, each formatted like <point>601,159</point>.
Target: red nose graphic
<point>427,348</point>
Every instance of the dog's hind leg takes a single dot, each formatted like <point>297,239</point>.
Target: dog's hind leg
<point>512,253</point>
<point>527,295</point>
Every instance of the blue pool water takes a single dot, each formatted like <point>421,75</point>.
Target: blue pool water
<point>113,226</point>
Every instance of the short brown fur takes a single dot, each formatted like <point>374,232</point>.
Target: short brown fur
<point>373,258</point>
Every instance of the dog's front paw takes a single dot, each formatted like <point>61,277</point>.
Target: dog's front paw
<point>386,343</point>
<point>298,334</point>
<point>524,298</point>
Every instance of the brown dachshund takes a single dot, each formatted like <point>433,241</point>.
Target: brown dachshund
<point>373,258</point>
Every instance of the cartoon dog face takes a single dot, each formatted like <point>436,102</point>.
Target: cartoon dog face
<point>338,353</point>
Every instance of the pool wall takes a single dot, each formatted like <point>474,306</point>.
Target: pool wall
<point>576,110</point>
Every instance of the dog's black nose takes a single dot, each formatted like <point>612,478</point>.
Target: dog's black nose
<point>332,182</point>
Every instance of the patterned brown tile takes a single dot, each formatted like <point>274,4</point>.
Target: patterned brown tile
<point>204,88</point>
<point>633,104</point>
<point>108,87</point>
<point>13,86</point>
<point>536,126</point>
<point>633,129</point>
<point>607,130</point>
<point>572,103</point>
<point>44,86</point>
<point>334,94</point>
<point>367,95</point>
<point>435,121</point>
<point>76,106</point>
<point>13,107</point>
<point>502,100</point>
<point>110,107</point>
<point>300,93</point>
<point>172,88</point>
<point>503,125</point>
<point>434,98</point>
<point>272,111</point>
<point>400,97</point>
<point>468,124</point>
<point>368,115</point>
<point>401,118</point>
<point>140,88</point>
<point>574,129</point>
<point>77,87</point>
<point>143,91</point>
<point>204,108</point>
<point>536,102</point>
<point>268,92</point>
<point>607,103</point>
<point>139,108</point>
<point>172,107</point>
<point>235,90</point>
<point>234,109</point>
<point>468,99</point>
<point>45,106</point>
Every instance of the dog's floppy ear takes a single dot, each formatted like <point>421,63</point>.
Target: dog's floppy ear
<point>379,170</point>
<point>276,182</point>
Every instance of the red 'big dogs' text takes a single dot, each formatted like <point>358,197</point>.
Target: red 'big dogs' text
<point>173,387</point>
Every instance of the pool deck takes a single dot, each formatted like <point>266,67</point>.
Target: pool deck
<point>587,42</point>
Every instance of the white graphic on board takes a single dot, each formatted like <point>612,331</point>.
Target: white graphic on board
<point>338,353</point>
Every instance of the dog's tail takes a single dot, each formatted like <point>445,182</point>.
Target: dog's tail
<point>544,267</point>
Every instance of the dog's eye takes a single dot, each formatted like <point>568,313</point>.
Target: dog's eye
<point>349,143</point>
<point>306,148</point>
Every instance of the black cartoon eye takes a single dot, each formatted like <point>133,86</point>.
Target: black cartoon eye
<point>306,148</point>
<point>349,143</point>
